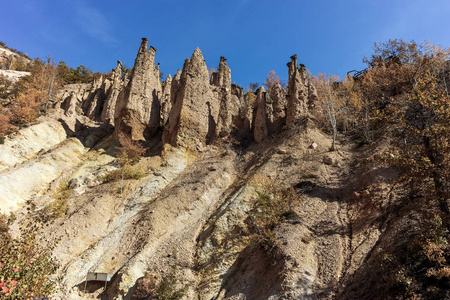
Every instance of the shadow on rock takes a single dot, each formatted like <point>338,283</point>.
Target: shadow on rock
<point>88,136</point>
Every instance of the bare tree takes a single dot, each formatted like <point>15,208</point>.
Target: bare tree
<point>329,101</point>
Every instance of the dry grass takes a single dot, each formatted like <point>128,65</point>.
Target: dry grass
<point>126,172</point>
<point>61,197</point>
<point>272,205</point>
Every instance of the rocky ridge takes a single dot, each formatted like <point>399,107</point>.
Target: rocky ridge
<point>191,110</point>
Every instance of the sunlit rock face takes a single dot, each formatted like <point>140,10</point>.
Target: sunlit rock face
<point>194,115</point>
<point>297,98</point>
<point>117,83</point>
<point>138,106</point>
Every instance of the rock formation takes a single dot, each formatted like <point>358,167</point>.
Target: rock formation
<point>70,104</point>
<point>73,96</point>
<point>138,106</point>
<point>192,109</point>
<point>260,126</point>
<point>221,80</point>
<point>166,104</point>
<point>202,218</point>
<point>242,121</point>
<point>297,98</point>
<point>312,96</point>
<point>94,106</point>
<point>96,100</point>
<point>107,115</point>
<point>278,97</point>
<point>222,77</point>
<point>194,115</point>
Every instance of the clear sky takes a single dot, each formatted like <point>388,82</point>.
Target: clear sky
<point>256,36</point>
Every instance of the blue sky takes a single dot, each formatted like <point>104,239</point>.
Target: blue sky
<point>256,36</point>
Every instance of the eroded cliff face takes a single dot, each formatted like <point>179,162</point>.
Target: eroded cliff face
<point>262,115</point>
<point>191,109</point>
<point>195,211</point>
<point>301,94</point>
<point>229,105</point>
<point>195,111</point>
<point>212,155</point>
<point>138,107</point>
<point>117,84</point>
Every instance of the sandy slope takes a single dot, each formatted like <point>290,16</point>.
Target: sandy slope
<point>191,212</point>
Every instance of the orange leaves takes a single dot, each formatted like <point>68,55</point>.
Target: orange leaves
<point>5,117</point>
<point>25,108</point>
<point>271,80</point>
<point>24,266</point>
<point>30,95</point>
<point>436,250</point>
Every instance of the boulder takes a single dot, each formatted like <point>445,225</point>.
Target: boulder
<point>313,146</point>
<point>327,160</point>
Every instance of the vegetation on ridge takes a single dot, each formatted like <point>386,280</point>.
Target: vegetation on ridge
<point>402,97</point>
<point>22,102</point>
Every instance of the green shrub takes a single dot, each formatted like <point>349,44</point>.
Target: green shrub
<point>130,152</point>
<point>128,155</point>
<point>133,172</point>
<point>166,289</point>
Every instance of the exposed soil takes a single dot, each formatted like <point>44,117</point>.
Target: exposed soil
<point>190,215</point>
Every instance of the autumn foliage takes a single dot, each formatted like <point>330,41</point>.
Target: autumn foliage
<point>272,80</point>
<point>25,266</point>
<point>30,96</point>
<point>23,102</point>
<point>402,97</point>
